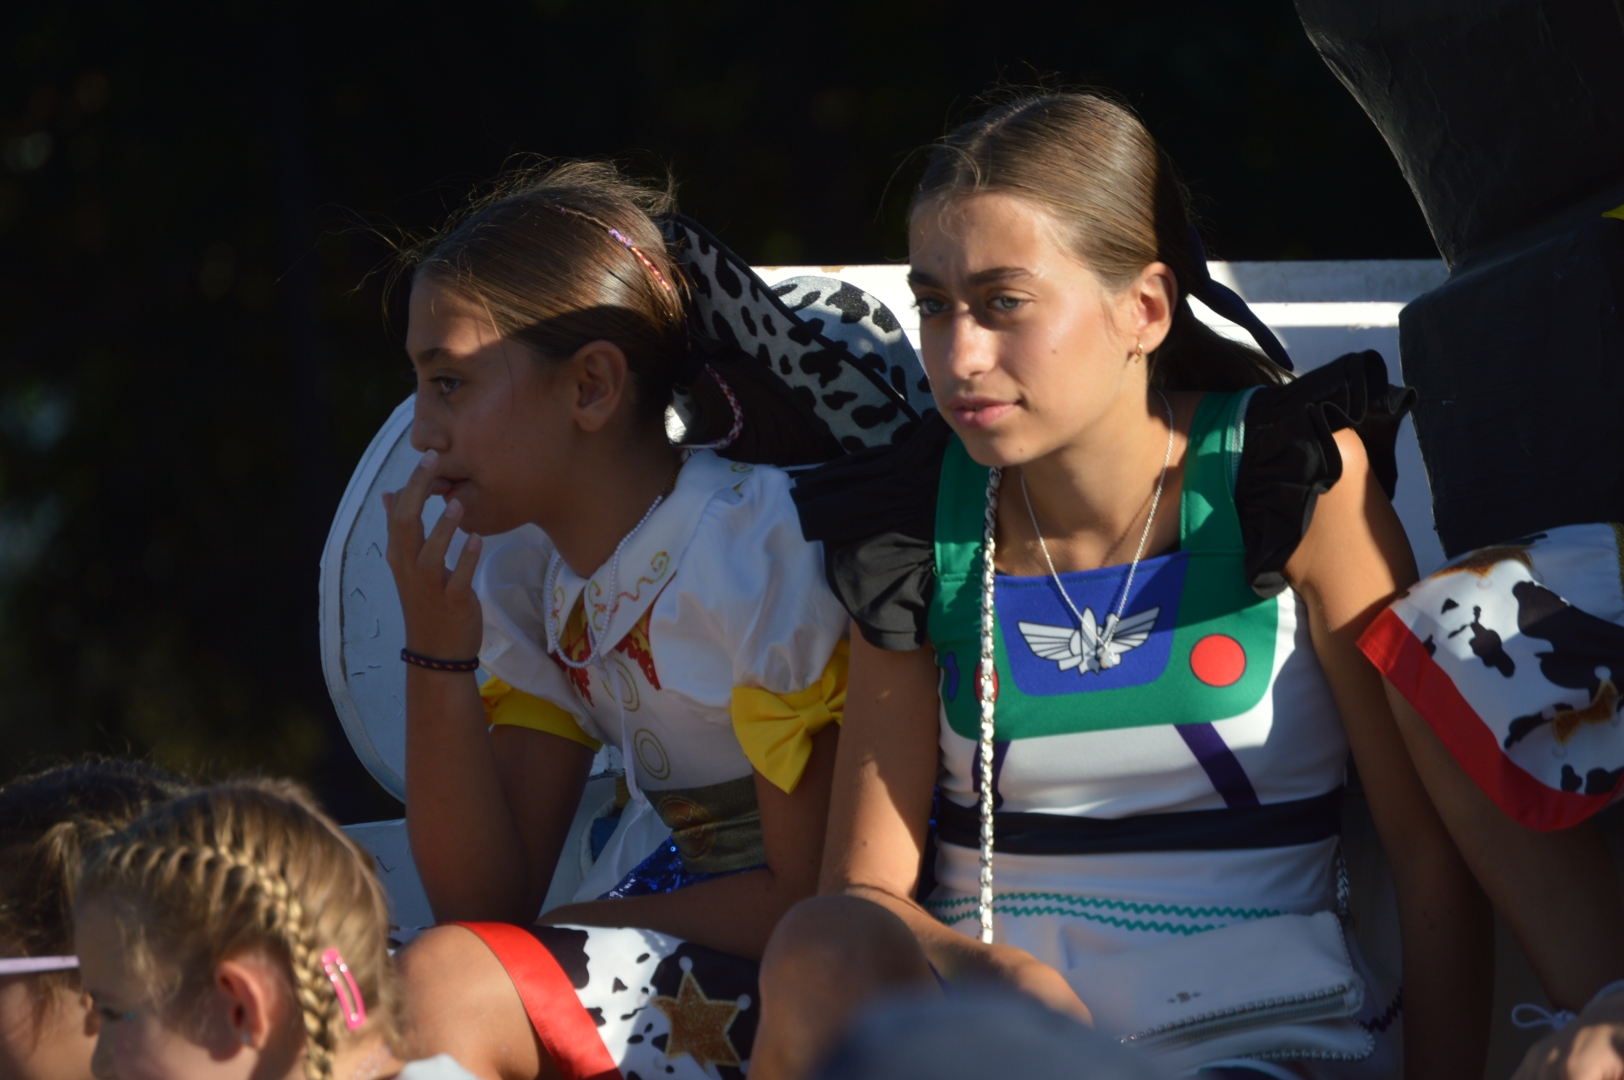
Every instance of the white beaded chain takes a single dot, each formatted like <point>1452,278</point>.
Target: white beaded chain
<point>987,692</point>
<point>986,683</point>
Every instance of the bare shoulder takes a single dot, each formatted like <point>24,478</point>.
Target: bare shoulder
<point>1354,552</point>
<point>1355,461</point>
<point>1347,498</point>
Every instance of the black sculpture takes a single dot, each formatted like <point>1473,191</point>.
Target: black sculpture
<point>1507,119</point>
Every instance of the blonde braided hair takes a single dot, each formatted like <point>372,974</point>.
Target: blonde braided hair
<point>243,867</point>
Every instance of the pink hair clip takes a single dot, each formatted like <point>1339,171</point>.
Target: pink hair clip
<point>355,1010</point>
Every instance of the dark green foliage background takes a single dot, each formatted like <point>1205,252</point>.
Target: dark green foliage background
<point>194,355</point>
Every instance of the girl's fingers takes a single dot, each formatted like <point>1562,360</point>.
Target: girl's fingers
<point>432,553</point>
<point>405,507</point>
<point>462,575</point>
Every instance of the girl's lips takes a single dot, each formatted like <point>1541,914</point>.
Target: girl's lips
<point>446,488</point>
<point>980,412</point>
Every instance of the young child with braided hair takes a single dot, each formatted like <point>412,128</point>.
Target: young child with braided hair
<point>235,933</point>
<point>47,820</point>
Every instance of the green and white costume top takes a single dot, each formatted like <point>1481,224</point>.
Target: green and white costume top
<point>1195,783</point>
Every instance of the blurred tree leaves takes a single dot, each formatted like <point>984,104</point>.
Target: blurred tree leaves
<point>194,353</point>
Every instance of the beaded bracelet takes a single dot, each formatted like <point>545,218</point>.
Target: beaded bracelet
<point>438,665</point>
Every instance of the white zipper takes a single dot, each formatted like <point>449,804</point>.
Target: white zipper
<point>1330,1003</point>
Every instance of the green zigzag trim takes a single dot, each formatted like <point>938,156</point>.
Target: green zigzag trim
<point>1121,905</point>
<point>1108,920</point>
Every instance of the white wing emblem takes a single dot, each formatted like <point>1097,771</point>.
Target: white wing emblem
<point>1086,648</point>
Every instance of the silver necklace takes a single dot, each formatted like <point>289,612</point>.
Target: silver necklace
<point>557,568</point>
<point>1106,657</point>
<point>987,672</point>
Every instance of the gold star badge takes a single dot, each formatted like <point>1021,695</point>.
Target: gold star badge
<point>698,1025</point>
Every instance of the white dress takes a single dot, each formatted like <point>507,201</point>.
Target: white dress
<point>1191,786</point>
<point>715,651</point>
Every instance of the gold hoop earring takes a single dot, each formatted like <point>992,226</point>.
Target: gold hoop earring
<point>1139,350</point>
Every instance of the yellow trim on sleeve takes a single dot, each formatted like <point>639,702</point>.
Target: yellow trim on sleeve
<point>1615,212</point>
<point>776,730</point>
<point>505,706</point>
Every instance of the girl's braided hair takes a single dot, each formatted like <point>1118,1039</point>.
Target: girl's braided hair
<point>249,866</point>
<point>47,821</point>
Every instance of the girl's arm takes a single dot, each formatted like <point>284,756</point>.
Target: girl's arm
<point>1352,560</point>
<point>736,914</point>
<point>487,812</point>
<point>884,779</point>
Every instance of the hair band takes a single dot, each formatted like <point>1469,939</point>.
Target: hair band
<point>355,1010</point>
<point>615,234</point>
<point>644,259</point>
<point>738,416</point>
<point>28,965</point>
<point>1227,302</point>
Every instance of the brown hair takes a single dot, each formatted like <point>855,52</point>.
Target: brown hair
<point>47,821</point>
<point>1109,185</point>
<point>539,257</point>
<point>241,867</point>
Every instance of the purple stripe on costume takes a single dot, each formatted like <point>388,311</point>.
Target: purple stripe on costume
<point>1223,768</point>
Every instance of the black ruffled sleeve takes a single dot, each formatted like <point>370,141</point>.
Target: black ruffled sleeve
<point>1289,457</point>
<point>875,512</point>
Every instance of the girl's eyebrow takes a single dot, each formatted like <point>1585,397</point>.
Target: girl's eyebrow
<point>433,355</point>
<point>998,274</point>
<point>989,276</point>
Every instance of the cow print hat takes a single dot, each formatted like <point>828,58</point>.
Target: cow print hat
<point>821,367</point>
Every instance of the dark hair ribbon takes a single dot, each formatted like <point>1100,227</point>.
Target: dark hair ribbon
<point>1227,302</point>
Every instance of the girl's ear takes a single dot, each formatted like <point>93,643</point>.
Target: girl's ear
<point>1153,298</point>
<point>247,1002</point>
<point>602,380</point>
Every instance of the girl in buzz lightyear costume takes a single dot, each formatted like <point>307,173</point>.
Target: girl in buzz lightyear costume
<point>617,588</point>
<point>1108,607</point>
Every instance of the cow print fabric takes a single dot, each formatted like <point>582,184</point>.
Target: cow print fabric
<point>664,1008</point>
<point>1514,655</point>
<point>840,350</point>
